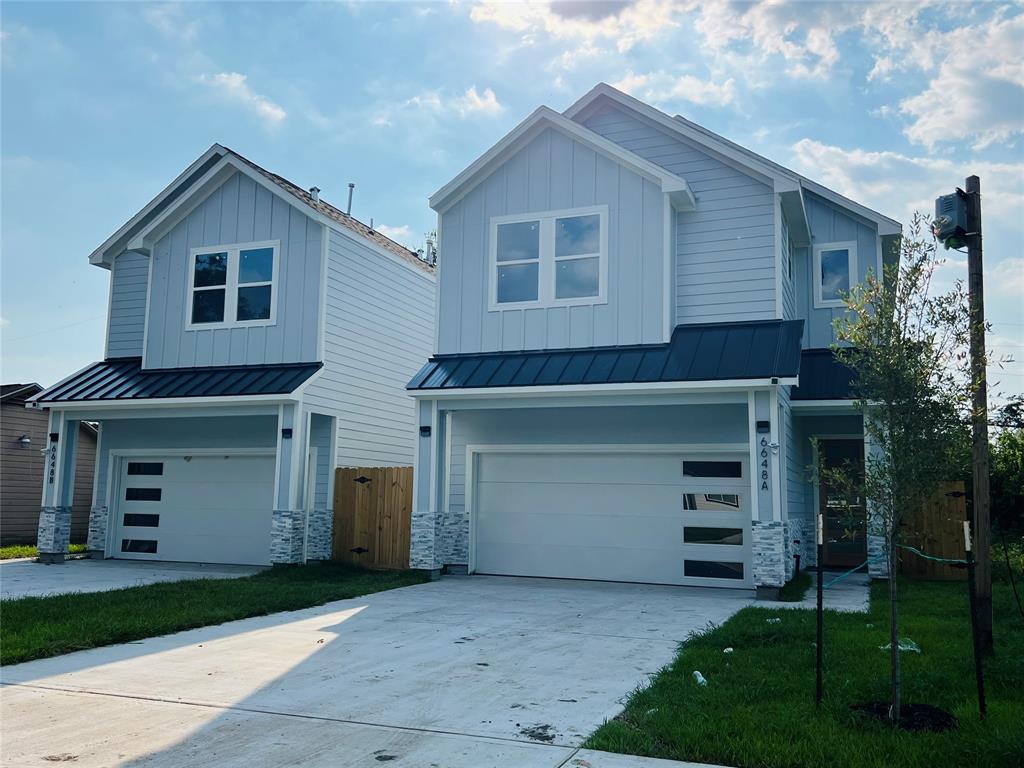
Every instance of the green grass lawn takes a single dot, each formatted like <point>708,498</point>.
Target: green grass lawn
<point>29,550</point>
<point>793,591</point>
<point>36,627</point>
<point>758,706</point>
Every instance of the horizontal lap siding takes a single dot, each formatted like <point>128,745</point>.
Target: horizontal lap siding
<point>129,276</point>
<point>725,249</point>
<point>379,332</point>
<point>554,172</point>
<point>239,211</point>
<point>21,475</point>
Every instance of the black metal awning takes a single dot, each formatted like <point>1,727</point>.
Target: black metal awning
<point>126,379</point>
<point>823,377</point>
<point>712,352</point>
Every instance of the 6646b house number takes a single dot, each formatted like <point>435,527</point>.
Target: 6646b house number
<point>764,463</point>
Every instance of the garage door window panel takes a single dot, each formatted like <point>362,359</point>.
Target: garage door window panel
<point>141,520</point>
<point>713,469</point>
<point>143,494</point>
<point>139,546</point>
<point>713,569</point>
<point>693,534</point>
<point>145,468</point>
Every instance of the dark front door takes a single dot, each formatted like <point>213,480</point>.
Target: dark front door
<point>845,515</point>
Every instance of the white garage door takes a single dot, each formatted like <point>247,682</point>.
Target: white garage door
<point>655,518</point>
<point>204,509</point>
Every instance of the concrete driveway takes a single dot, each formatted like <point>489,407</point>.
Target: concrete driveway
<point>469,671</point>
<point>23,578</point>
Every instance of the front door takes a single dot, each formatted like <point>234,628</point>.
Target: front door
<point>844,513</point>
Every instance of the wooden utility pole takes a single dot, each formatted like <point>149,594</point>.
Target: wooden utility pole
<point>979,417</point>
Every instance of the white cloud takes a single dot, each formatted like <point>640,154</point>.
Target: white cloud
<point>662,87</point>
<point>233,88</point>
<point>172,21</point>
<point>467,104</point>
<point>1006,277</point>
<point>400,234</point>
<point>471,103</point>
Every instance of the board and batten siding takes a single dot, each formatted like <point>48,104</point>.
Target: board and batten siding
<point>830,224</point>
<point>554,172</point>
<point>126,324</point>
<point>725,248</point>
<point>239,211</point>
<point>379,333</point>
<point>21,475</point>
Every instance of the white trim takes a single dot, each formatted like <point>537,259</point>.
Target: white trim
<point>668,273</point>
<point>446,503</point>
<point>277,455</point>
<point>155,452</point>
<point>97,461</point>
<point>652,387</point>
<point>435,445</point>
<point>544,117</point>
<point>312,460</point>
<point>437,289</point>
<point>150,264</point>
<point>752,450</point>
<point>232,285</point>
<point>811,405</point>
<point>729,150</point>
<point>779,265</point>
<point>110,309</point>
<point>96,256</point>
<point>547,260</point>
<point>775,455</point>
<point>851,265</point>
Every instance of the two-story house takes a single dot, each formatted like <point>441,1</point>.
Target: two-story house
<point>257,338</point>
<point>632,356</point>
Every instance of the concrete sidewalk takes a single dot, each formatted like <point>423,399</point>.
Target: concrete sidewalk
<point>25,578</point>
<point>471,671</point>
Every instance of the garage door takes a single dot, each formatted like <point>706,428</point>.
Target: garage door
<point>206,509</point>
<point>655,518</point>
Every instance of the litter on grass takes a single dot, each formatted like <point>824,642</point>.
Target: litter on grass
<point>699,678</point>
<point>772,620</point>
<point>905,644</point>
<point>727,650</point>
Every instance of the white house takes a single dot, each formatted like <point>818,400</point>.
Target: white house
<point>632,356</point>
<point>257,337</point>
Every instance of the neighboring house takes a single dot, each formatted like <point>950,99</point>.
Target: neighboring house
<point>257,338</point>
<point>23,432</point>
<point>632,356</point>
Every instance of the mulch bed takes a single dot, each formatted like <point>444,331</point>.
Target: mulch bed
<point>913,717</point>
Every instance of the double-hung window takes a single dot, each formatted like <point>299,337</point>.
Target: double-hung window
<point>835,270</point>
<point>232,285</point>
<point>549,259</point>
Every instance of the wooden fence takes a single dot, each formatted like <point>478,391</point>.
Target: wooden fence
<point>937,529</point>
<point>373,516</point>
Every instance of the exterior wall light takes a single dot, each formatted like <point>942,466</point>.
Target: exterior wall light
<point>25,441</point>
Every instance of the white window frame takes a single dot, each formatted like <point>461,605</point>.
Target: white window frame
<point>232,285</point>
<point>547,261</point>
<point>851,248</point>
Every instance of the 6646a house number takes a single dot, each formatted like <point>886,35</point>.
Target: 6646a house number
<point>764,463</point>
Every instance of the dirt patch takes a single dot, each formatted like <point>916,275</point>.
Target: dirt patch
<point>913,717</point>
<point>543,733</point>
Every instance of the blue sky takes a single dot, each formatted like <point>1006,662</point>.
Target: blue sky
<point>104,103</point>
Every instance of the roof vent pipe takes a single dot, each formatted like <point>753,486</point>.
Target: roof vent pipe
<point>314,192</point>
<point>351,187</point>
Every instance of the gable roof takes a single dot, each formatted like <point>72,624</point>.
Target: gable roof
<point>727,149</point>
<point>216,160</point>
<point>544,118</point>
<point>18,392</point>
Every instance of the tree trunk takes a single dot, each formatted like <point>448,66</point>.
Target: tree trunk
<point>894,636</point>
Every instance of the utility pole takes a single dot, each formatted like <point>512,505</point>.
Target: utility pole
<point>979,417</point>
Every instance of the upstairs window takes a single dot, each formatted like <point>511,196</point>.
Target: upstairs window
<point>835,270</point>
<point>232,285</point>
<point>551,259</point>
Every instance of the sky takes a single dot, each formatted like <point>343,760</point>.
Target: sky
<point>103,104</point>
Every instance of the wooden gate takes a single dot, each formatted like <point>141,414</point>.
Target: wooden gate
<point>937,529</point>
<point>373,516</point>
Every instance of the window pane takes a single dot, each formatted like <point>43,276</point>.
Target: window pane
<point>712,469</point>
<point>711,502</point>
<point>145,468</point>
<point>208,306</point>
<point>576,278</point>
<point>520,240</point>
<point>517,282</point>
<point>148,546</point>
<point>138,520</point>
<point>142,494</point>
<point>211,269</point>
<point>577,235</point>
<point>835,273</point>
<point>254,303</point>
<point>709,569</point>
<point>698,535</point>
<point>256,265</point>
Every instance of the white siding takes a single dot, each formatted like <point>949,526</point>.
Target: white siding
<point>239,211</point>
<point>379,332</point>
<point>554,172</point>
<point>129,275</point>
<point>725,249</point>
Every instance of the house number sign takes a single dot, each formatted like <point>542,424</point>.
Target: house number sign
<point>51,463</point>
<point>764,463</point>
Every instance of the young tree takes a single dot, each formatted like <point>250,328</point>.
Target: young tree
<point>907,347</point>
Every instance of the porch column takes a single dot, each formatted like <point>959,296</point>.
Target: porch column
<point>58,488</point>
<point>767,528</point>
<point>423,548</point>
<point>288,524</point>
<point>98,512</point>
